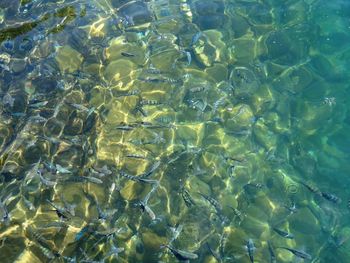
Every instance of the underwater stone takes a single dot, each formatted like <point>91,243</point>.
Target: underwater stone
<point>209,14</point>
<point>260,14</point>
<point>245,49</point>
<point>343,243</point>
<point>78,38</point>
<point>68,59</point>
<point>152,241</point>
<point>211,48</point>
<point>218,72</point>
<point>131,191</point>
<point>244,82</point>
<point>120,72</point>
<point>285,48</point>
<point>240,25</point>
<point>264,135</point>
<point>18,65</point>
<point>192,134</point>
<point>135,13</point>
<point>305,222</point>
<point>239,118</point>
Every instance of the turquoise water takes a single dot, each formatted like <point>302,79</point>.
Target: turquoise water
<point>174,130</point>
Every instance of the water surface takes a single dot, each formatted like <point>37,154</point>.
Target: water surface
<point>155,131</point>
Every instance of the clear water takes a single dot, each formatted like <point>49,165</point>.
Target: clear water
<point>218,129</point>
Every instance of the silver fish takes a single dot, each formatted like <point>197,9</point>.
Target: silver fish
<point>124,127</point>
<point>47,182</point>
<point>175,232</point>
<point>137,178</point>
<point>283,233</point>
<point>187,197</point>
<point>114,251</point>
<point>214,253</point>
<point>195,38</point>
<point>152,170</point>
<point>272,253</point>
<point>181,254</point>
<point>189,58</point>
<point>298,253</point>
<point>148,210</point>
<point>61,212</point>
<point>331,197</point>
<point>213,202</point>
<point>127,54</point>
<point>62,170</point>
<point>250,249</point>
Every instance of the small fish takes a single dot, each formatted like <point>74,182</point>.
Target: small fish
<point>37,119</point>
<point>283,233</point>
<point>189,58</point>
<point>61,212</point>
<point>8,100</point>
<point>3,210</point>
<point>341,240</point>
<point>217,103</point>
<point>217,207</point>
<point>33,172</point>
<point>39,104</point>
<point>273,258</point>
<point>93,179</point>
<point>256,185</point>
<point>173,81</point>
<point>298,253</point>
<point>49,253</point>
<point>114,251</point>
<point>181,254</point>
<point>291,208</point>
<point>195,38</point>
<point>49,165</point>
<point>187,198</point>
<point>237,214</point>
<point>150,125</point>
<point>148,210</point>
<point>128,94</point>
<point>111,231</point>
<point>331,197</point>
<point>311,188</point>
<point>250,249</point>
<point>214,253</point>
<point>152,170</point>
<point>153,80</point>
<point>60,169</point>
<point>47,182</point>
<point>197,89</point>
<point>152,70</point>
<point>125,127</point>
<point>104,215</point>
<point>213,202</point>
<point>136,156</point>
<point>127,54</point>
<point>78,106</point>
<point>137,178</point>
<point>28,204</point>
<point>176,232</point>
<point>81,179</point>
<point>150,103</point>
<point>83,232</point>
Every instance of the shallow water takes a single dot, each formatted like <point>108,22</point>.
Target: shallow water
<point>219,129</point>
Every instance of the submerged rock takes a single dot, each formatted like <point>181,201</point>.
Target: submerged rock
<point>68,59</point>
<point>135,13</point>
<point>209,14</point>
